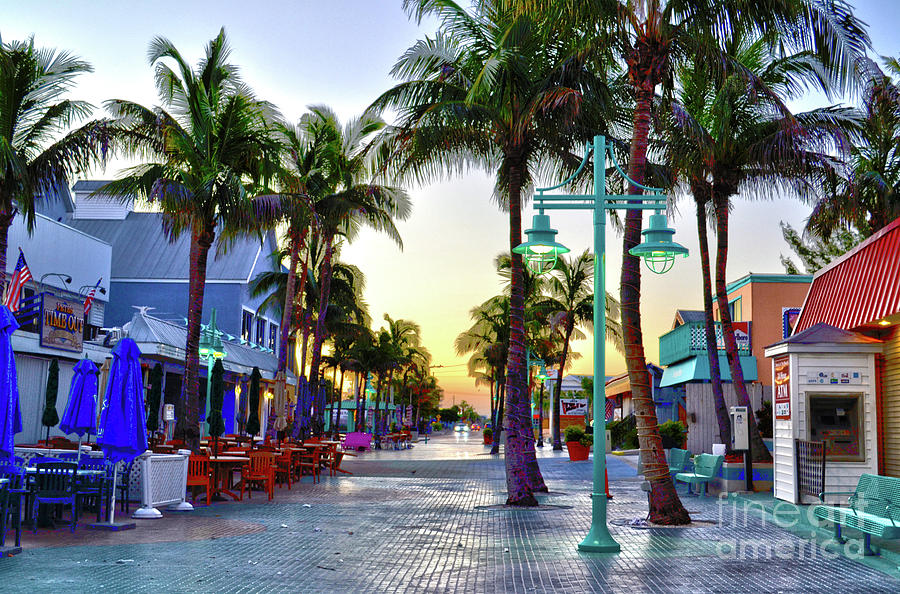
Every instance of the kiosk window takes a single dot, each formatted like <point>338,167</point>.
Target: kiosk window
<point>836,420</point>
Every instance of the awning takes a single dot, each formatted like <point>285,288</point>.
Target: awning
<point>696,369</point>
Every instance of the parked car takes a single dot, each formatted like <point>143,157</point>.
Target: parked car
<point>461,428</point>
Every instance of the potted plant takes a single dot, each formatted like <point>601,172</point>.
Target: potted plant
<point>488,436</point>
<point>578,443</point>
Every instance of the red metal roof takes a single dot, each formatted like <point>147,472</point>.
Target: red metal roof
<point>860,288</point>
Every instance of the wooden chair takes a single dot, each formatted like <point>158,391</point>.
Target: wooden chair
<point>199,476</point>
<point>54,484</point>
<point>309,458</point>
<point>284,468</point>
<point>261,469</point>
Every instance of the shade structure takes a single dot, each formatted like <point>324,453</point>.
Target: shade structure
<point>214,419</point>
<point>155,396</point>
<point>253,420</point>
<point>123,430</point>
<point>10,417</point>
<point>80,414</point>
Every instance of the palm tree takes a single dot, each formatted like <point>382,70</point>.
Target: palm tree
<point>350,201</point>
<point>868,198</point>
<point>490,92</point>
<point>37,156</point>
<point>651,38</point>
<point>206,159</point>
<point>738,137</point>
<point>572,304</point>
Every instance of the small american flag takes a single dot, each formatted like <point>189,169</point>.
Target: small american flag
<point>610,407</point>
<point>21,275</point>
<point>90,298</point>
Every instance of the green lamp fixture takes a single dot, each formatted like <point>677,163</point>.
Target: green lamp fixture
<point>542,372</point>
<point>658,250</point>
<point>541,250</point>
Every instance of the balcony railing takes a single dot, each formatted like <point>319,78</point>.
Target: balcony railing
<point>689,340</point>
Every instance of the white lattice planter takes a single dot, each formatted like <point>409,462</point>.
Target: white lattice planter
<point>163,480</point>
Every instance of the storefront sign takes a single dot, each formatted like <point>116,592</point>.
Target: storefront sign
<point>573,406</point>
<point>741,336</point>
<point>782,387</point>
<point>62,324</point>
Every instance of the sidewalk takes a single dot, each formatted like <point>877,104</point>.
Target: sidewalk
<point>422,520</point>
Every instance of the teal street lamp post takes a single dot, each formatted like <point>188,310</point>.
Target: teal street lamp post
<point>542,375</point>
<point>211,348</point>
<point>658,251</point>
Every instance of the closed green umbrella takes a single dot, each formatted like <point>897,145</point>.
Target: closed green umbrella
<point>155,396</point>
<point>253,421</point>
<point>50,417</point>
<point>216,400</point>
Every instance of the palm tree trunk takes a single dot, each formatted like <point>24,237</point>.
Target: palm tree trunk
<point>498,428</point>
<point>289,297</point>
<point>359,416</point>
<point>188,422</point>
<point>307,318</point>
<point>557,389</point>
<point>523,477</point>
<point>319,335</point>
<point>712,348</point>
<point>665,506</point>
<point>758,450</point>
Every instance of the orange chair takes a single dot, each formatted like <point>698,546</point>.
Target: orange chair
<point>261,469</point>
<point>309,458</point>
<point>199,476</point>
<point>284,467</point>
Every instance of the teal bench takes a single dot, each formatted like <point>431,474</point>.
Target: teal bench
<point>873,509</point>
<point>706,467</point>
<point>678,460</point>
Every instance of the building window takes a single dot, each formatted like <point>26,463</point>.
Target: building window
<point>246,325</point>
<point>736,310</point>
<point>273,335</point>
<point>261,331</point>
<point>836,420</point>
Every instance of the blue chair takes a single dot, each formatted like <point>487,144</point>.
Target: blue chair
<point>54,484</point>
<point>15,491</point>
<point>92,488</point>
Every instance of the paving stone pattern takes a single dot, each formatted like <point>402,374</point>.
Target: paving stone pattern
<point>422,520</point>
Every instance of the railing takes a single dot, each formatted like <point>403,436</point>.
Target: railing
<point>689,340</point>
<point>809,457</point>
<point>163,479</point>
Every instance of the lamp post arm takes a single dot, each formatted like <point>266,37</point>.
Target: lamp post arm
<point>587,153</point>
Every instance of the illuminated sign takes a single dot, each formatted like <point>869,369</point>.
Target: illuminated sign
<point>782,387</point>
<point>62,324</point>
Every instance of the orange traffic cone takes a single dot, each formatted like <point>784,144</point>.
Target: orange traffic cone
<point>606,476</point>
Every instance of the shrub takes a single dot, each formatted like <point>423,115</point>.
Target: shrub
<point>488,432</point>
<point>436,426</point>
<point>587,441</point>
<point>764,419</point>
<point>573,433</point>
<point>393,426</point>
<point>673,434</point>
<point>623,434</point>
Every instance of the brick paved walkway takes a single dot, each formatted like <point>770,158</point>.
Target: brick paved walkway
<point>416,521</point>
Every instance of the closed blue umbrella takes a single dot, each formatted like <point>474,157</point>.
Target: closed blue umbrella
<point>80,415</point>
<point>123,428</point>
<point>10,417</point>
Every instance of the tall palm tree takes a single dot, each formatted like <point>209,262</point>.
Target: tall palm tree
<point>208,151</point>
<point>38,153</point>
<point>489,91</point>
<point>351,200</point>
<point>741,139</point>
<point>650,38</point>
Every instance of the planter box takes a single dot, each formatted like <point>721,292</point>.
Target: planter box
<point>577,452</point>
<point>731,478</point>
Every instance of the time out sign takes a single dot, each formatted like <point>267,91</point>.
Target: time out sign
<point>62,324</point>
<point>782,387</point>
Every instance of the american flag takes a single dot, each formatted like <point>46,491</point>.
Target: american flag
<point>610,407</point>
<point>21,275</point>
<point>90,298</point>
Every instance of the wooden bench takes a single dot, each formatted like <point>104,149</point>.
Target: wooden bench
<point>706,467</point>
<point>678,460</point>
<point>873,509</point>
<point>357,441</point>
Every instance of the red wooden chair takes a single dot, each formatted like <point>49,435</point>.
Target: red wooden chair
<point>284,468</point>
<point>261,470</point>
<point>199,476</point>
<point>309,458</point>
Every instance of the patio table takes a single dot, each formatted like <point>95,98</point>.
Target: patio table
<point>223,469</point>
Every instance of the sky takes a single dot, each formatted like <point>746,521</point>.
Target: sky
<point>339,53</point>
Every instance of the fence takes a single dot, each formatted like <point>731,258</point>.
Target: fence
<point>810,464</point>
<point>163,480</point>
